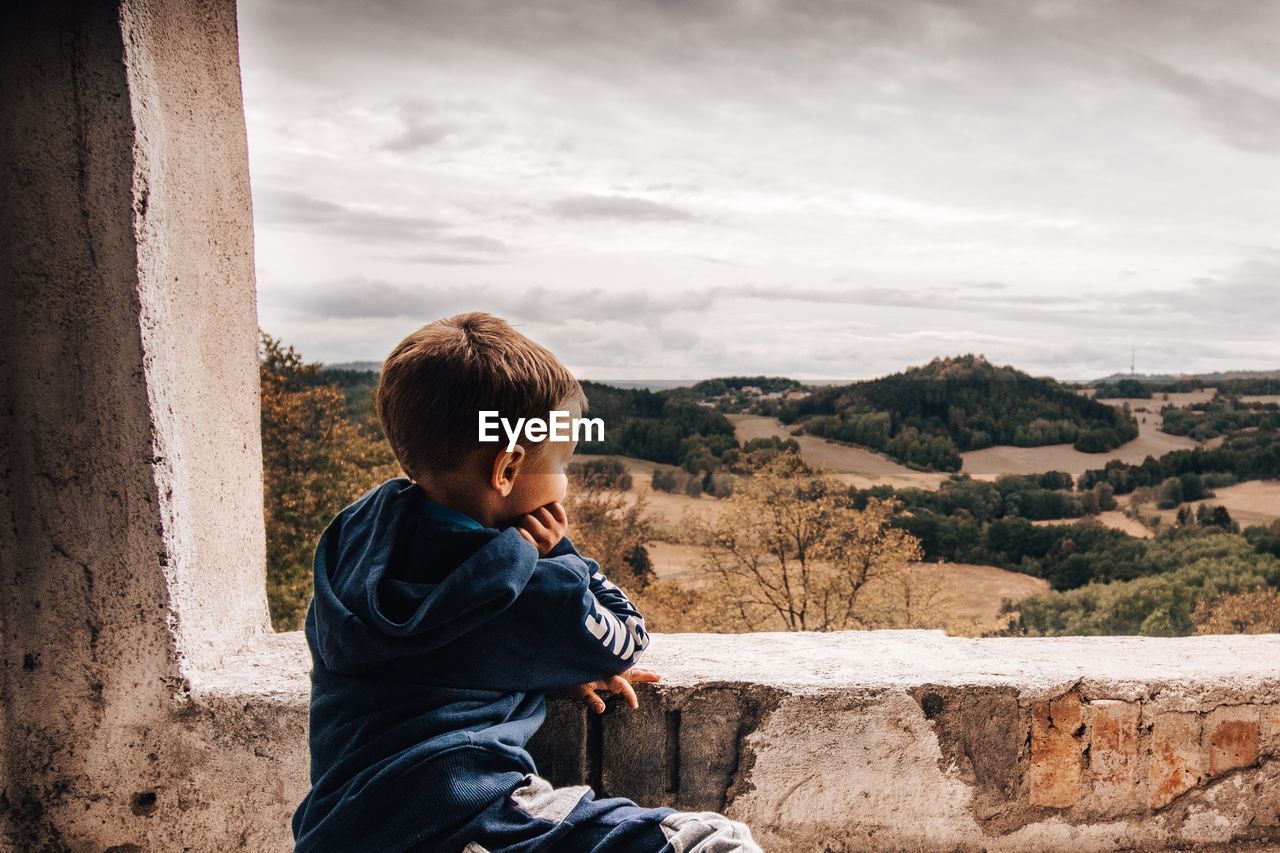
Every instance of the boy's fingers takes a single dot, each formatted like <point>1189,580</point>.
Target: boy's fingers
<point>618,684</point>
<point>589,698</point>
<point>595,702</point>
<point>558,513</point>
<point>535,529</point>
<point>528,537</point>
<point>545,517</point>
<point>641,676</point>
<point>594,699</point>
<point>614,684</point>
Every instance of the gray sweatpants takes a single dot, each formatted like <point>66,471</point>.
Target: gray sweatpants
<point>539,817</point>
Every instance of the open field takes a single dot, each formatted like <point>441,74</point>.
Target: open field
<point>1261,398</point>
<point>1119,521</point>
<point>1158,402</point>
<point>1251,502</point>
<point>1149,418</point>
<point>993,461</point>
<point>676,562</point>
<point>973,593</point>
<point>854,465</point>
<point>1114,519</point>
<point>666,507</point>
<point>969,595</point>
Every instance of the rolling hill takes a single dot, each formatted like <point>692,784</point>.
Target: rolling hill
<point>926,416</point>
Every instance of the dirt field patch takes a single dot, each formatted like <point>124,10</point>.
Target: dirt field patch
<point>972,594</point>
<point>666,507</point>
<point>1251,502</point>
<point>1114,519</point>
<point>993,461</point>
<point>676,562</point>
<point>856,465</point>
<point>1157,402</point>
<point>966,601</point>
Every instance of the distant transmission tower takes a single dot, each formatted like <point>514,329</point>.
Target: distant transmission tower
<point>1133,362</point>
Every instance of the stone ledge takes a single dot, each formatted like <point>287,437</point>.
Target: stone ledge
<point>885,740</point>
<point>1240,666</point>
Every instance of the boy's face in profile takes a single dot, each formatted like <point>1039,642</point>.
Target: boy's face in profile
<point>541,480</point>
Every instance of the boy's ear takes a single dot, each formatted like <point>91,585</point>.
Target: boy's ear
<point>507,465</point>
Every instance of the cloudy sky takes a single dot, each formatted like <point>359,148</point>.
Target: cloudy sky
<point>686,188</point>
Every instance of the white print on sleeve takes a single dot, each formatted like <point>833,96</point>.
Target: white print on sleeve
<point>625,639</point>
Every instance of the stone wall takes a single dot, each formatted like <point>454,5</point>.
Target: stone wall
<point>885,740</point>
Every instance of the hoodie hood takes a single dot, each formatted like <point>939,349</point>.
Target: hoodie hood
<point>387,588</point>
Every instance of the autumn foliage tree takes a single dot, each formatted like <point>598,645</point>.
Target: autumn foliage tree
<point>791,551</point>
<point>1255,611</point>
<point>612,529</point>
<point>315,461</point>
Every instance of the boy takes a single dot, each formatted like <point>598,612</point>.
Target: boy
<point>446,604</point>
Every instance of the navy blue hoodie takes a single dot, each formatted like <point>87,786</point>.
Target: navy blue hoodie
<point>432,641</point>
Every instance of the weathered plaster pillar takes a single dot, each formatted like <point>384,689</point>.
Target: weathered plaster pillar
<point>131,556</point>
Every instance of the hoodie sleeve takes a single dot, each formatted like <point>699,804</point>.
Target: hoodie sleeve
<point>595,630</point>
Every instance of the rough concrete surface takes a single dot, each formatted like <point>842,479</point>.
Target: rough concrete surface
<point>131,558</point>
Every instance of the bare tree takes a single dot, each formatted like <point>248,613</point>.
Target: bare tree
<point>791,550</point>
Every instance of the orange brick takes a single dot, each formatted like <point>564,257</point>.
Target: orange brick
<point>1177,761</point>
<point>1056,747</point>
<point>1113,755</point>
<point>1232,738</point>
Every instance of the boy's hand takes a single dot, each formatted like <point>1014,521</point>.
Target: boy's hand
<point>617,684</point>
<point>544,527</point>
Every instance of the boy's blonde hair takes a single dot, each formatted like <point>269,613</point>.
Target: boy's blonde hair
<point>436,381</point>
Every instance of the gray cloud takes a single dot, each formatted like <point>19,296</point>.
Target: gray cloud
<point>1236,114</point>
<point>297,210</point>
<point>962,296</point>
<point>291,209</point>
<point>473,243</point>
<point>419,134</point>
<point>365,298</point>
<point>622,208</point>
<point>361,299</point>
<point>1240,299</point>
<point>432,122</point>
<point>446,260</point>
<point>461,250</point>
